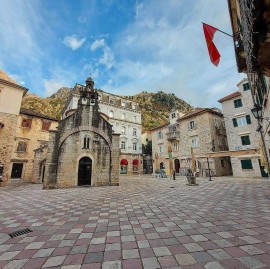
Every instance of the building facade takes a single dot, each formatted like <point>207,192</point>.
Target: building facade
<point>202,131</point>
<point>83,150</point>
<point>250,22</point>
<point>241,129</point>
<point>32,132</point>
<point>11,94</point>
<point>125,118</point>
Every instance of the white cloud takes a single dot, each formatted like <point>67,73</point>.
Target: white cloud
<point>107,58</point>
<point>99,43</point>
<point>138,8</point>
<point>52,85</point>
<point>73,41</point>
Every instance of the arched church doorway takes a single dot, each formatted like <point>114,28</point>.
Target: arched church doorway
<point>176,165</point>
<point>85,171</point>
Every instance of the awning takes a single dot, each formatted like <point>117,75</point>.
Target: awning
<point>124,162</point>
<point>135,162</point>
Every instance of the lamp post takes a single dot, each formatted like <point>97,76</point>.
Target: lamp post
<point>210,179</point>
<point>257,113</point>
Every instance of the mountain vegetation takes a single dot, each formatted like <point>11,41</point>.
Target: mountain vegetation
<point>155,107</point>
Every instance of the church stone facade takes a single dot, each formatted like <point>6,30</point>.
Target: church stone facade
<point>83,151</point>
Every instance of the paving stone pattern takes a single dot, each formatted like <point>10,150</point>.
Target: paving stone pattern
<point>144,223</point>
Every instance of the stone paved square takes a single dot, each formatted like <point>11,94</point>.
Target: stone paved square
<point>144,223</point>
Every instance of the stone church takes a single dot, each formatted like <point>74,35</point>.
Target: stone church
<point>83,150</point>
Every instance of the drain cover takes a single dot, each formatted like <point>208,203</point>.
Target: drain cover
<point>20,232</point>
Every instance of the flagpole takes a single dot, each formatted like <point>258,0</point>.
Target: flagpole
<point>224,33</point>
<point>219,30</point>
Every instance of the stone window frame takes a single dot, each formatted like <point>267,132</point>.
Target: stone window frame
<point>26,123</point>
<point>245,140</point>
<point>175,146</point>
<point>237,103</point>
<point>45,125</point>
<point>192,125</point>
<point>246,86</point>
<point>123,103</point>
<point>161,148</point>
<point>111,101</point>
<point>134,132</point>
<point>159,135</point>
<point>246,164</point>
<point>123,145</point>
<point>22,146</point>
<point>123,116</point>
<point>195,142</point>
<point>123,130</point>
<point>86,141</point>
<point>135,146</point>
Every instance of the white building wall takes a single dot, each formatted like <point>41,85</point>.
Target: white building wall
<point>234,133</point>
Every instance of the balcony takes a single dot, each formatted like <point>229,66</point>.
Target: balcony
<point>174,135</point>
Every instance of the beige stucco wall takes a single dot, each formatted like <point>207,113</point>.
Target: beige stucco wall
<point>10,99</point>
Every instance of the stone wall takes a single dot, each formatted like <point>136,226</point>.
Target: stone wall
<point>7,142</point>
<point>34,137</point>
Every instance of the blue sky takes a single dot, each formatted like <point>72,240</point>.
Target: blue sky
<point>128,46</point>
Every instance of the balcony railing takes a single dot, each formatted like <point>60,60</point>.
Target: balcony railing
<point>174,135</point>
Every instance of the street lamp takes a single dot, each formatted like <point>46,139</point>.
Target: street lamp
<point>257,112</point>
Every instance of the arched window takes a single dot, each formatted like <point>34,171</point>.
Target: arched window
<point>111,114</point>
<point>86,142</point>
<point>123,116</point>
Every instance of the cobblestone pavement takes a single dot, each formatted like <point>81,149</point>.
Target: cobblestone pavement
<point>145,223</point>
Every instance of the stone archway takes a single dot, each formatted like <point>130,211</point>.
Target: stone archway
<point>85,171</point>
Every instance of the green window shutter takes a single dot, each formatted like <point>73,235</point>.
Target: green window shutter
<point>248,119</point>
<point>246,164</point>
<point>235,124</point>
<point>245,140</point>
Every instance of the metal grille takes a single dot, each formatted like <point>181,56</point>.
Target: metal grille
<point>20,232</point>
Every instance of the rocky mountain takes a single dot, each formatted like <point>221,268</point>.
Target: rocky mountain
<point>155,107</point>
<point>51,106</point>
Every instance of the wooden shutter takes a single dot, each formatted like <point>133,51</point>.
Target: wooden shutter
<point>248,119</point>
<point>235,124</point>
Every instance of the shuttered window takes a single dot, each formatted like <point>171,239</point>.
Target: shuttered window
<point>235,124</point>
<point>245,140</point>
<point>246,86</point>
<point>248,119</point>
<point>238,103</point>
<point>246,164</point>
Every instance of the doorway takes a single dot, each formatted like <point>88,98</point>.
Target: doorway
<point>176,165</point>
<point>17,170</point>
<point>263,173</point>
<point>85,171</point>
